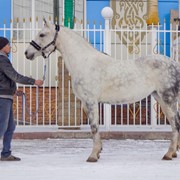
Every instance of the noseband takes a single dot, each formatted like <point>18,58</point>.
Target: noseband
<point>38,48</point>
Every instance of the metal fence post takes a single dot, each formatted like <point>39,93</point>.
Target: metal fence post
<point>154,49</point>
<point>107,14</point>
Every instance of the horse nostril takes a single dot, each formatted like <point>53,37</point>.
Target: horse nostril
<point>29,55</point>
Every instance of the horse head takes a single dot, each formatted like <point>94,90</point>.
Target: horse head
<point>44,42</point>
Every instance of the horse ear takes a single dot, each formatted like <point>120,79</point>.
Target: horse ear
<point>46,23</point>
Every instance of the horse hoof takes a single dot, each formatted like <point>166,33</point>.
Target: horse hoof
<point>174,155</point>
<point>98,155</point>
<point>91,159</point>
<point>166,158</point>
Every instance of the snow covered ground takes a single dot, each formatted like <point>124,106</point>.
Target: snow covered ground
<point>65,159</point>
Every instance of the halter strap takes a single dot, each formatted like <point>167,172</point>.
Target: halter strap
<point>35,45</point>
<point>57,27</point>
<point>39,48</point>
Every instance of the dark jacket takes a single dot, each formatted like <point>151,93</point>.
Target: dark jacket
<point>9,77</point>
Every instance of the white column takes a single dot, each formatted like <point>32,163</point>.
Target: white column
<point>107,14</point>
<point>84,15</point>
<point>12,9</point>
<point>33,11</point>
<point>63,11</point>
<point>154,46</point>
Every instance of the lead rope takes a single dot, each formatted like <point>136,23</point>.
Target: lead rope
<point>24,101</point>
<point>37,47</point>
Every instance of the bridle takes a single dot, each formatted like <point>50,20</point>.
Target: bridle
<point>39,48</point>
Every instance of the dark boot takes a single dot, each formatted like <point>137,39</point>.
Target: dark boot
<point>10,158</point>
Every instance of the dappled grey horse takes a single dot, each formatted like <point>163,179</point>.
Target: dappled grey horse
<point>97,77</point>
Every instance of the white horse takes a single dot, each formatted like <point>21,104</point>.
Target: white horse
<point>97,77</point>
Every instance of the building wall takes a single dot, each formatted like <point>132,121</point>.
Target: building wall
<point>5,14</point>
<point>5,11</point>
<point>96,5</point>
<point>95,17</point>
<point>164,7</point>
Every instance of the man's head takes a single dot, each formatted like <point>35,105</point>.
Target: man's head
<point>4,45</point>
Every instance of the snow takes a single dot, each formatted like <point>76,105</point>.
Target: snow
<point>65,159</point>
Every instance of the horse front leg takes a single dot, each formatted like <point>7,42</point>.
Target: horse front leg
<point>92,108</point>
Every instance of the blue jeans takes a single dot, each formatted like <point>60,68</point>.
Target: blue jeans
<point>7,125</point>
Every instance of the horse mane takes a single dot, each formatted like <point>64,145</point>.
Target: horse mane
<point>79,37</point>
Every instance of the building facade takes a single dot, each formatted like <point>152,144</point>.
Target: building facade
<point>128,15</point>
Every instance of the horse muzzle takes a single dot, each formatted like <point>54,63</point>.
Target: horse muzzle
<point>29,56</point>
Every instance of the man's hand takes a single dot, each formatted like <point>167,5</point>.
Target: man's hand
<point>38,82</point>
<point>19,93</point>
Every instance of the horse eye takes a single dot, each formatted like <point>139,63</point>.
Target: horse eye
<point>41,35</point>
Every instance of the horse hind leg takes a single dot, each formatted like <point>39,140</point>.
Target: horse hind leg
<point>92,110</point>
<point>177,120</point>
<point>170,110</point>
<point>173,145</point>
<point>178,128</point>
<point>174,141</point>
<point>178,145</point>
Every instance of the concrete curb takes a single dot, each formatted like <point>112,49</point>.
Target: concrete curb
<point>84,135</point>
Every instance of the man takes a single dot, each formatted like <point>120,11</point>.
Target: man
<point>8,79</point>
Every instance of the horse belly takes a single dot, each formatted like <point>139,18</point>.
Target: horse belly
<point>124,94</point>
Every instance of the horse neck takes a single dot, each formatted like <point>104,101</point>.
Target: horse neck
<point>74,49</point>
